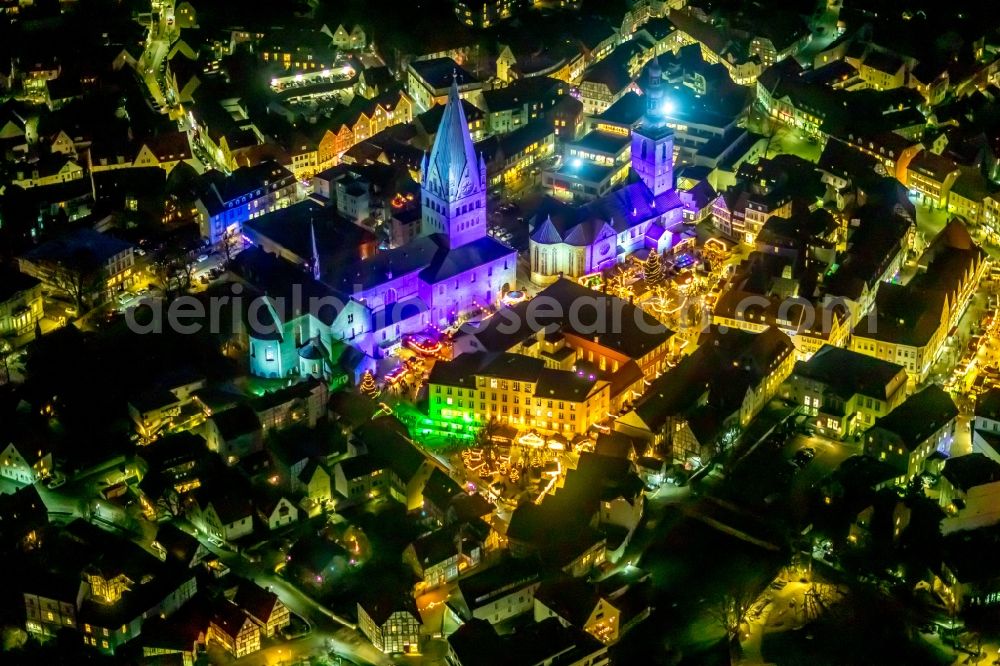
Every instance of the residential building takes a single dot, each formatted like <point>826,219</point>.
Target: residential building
<point>226,202</point>
<point>86,266</point>
<point>441,556</point>
<point>355,40</point>
<point>100,586</point>
<point>500,592</point>
<point>692,411</point>
<point>477,643</point>
<point>906,437</point>
<point>390,622</point>
<point>234,433</point>
<point>20,303</point>
<point>303,402</point>
<point>276,511</point>
<point>845,392</point>
<point>234,630</point>
<point>909,324</point>
<point>520,102</point>
<point>486,14</point>
<point>968,492</point>
<point>226,515</point>
<point>931,177</point>
<point>361,120</point>
<point>263,607</point>
<point>428,82</point>
<point>25,463</point>
<point>986,424</point>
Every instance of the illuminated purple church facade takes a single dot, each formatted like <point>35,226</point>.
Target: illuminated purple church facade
<point>454,269</point>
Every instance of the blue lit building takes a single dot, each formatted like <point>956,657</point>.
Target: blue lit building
<point>575,241</point>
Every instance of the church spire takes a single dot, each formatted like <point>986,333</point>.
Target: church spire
<point>452,170</point>
<point>453,179</point>
<point>316,270</point>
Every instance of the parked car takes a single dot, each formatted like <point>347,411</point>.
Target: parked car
<point>54,481</point>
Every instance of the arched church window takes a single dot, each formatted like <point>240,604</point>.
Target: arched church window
<point>642,153</point>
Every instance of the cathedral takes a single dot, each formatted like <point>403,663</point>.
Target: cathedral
<point>574,241</point>
<point>453,269</point>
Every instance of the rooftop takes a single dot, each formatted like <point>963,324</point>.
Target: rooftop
<point>848,373</point>
<point>920,416</point>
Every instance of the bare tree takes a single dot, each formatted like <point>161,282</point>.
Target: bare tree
<point>730,610</point>
<point>229,240</point>
<point>174,269</point>
<point>80,276</point>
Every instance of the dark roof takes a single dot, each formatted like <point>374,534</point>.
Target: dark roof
<point>498,581</point>
<point>381,604</point>
<point>603,142</point>
<point>440,489</point>
<point>297,391</point>
<point>430,120</point>
<point>229,618</point>
<point>988,404</point>
<point>255,600</point>
<point>922,414</point>
<point>439,72</point>
<point>969,471</point>
<point>620,329</point>
<point>726,365</point>
<point>315,553</point>
<point>360,466</point>
<point>236,422</point>
<point>476,643</point>
<point>181,547</point>
<point>520,92</point>
<point>615,445</point>
<point>572,599</point>
<point>387,443</point>
<point>229,503</point>
<point>173,450</point>
<point>627,111</point>
<point>904,315</point>
<point>848,373</point>
<point>83,249</point>
<point>467,507</point>
<point>277,278</point>
<point>449,262</point>
<point>516,142</point>
<point>21,512</point>
<point>13,282</point>
<point>338,240</point>
<point>437,546</point>
<point>564,385</point>
<point>965,555</point>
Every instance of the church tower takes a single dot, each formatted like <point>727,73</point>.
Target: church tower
<point>653,141</point>
<point>453,189</point>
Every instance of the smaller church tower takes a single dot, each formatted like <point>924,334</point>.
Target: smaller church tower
<point>653,141</point>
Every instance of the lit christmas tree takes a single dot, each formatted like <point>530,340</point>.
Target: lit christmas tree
<point>368,386</point>
<point>652,269</point>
